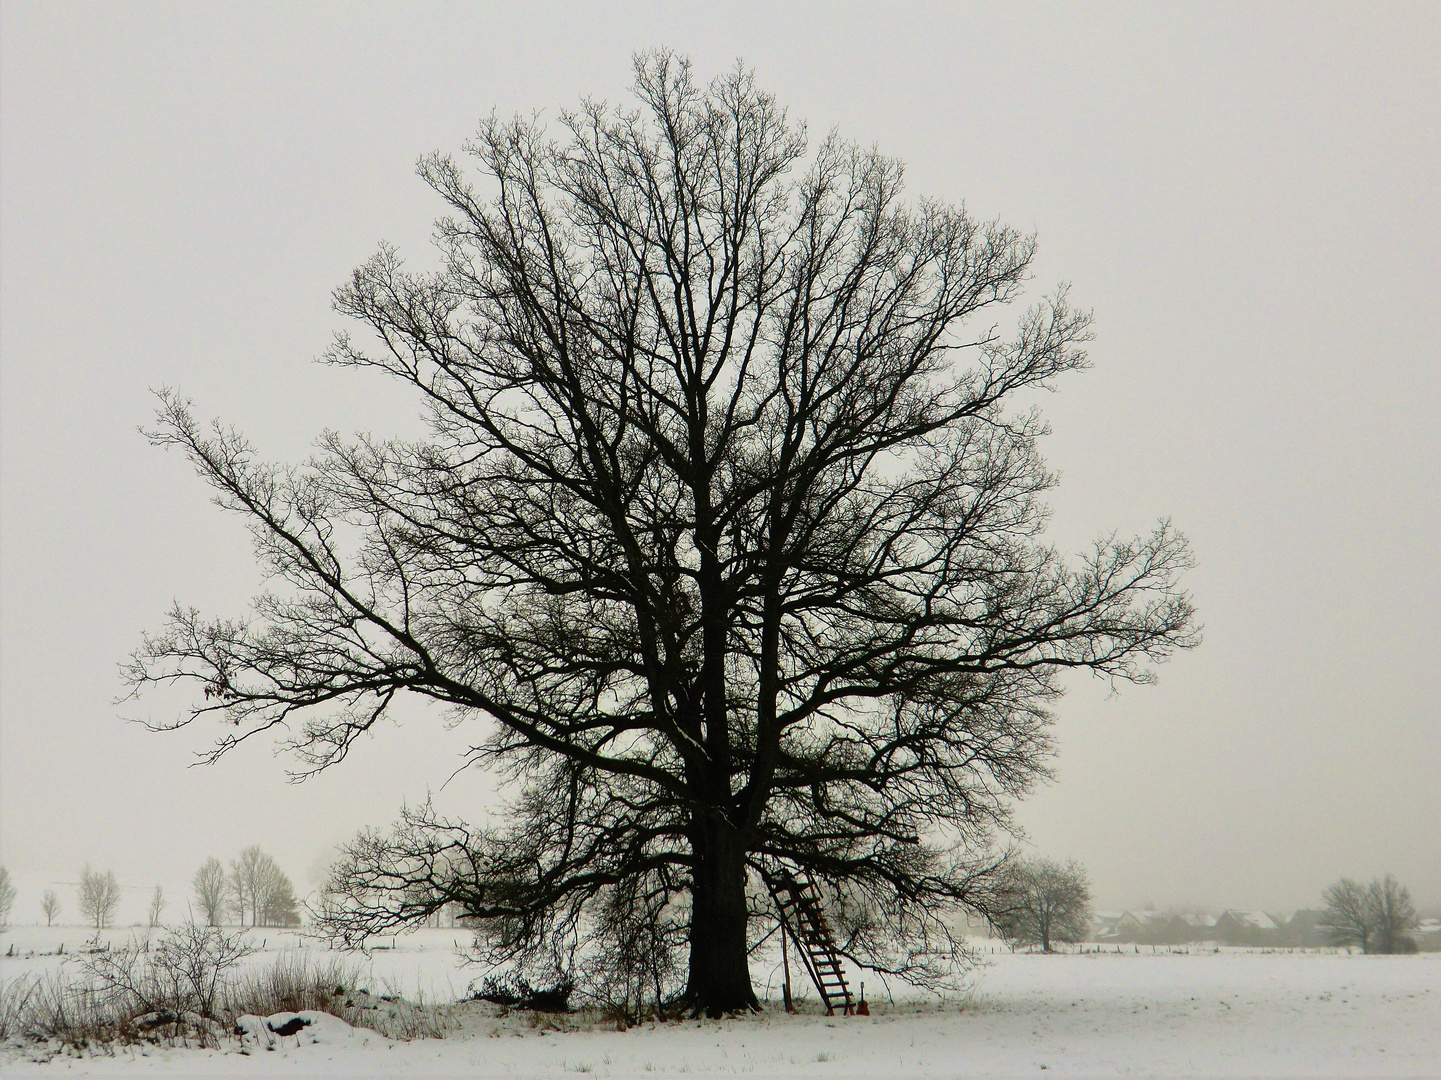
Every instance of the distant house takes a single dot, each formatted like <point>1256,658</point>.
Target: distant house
<point>1428,935</point>
<point>1103,925</point>
<point>1132,925</point>
<point>1237,927</point>
<point>972,925</point>
<point>1234,926</point>
<point>1246,920</point>
<point>1304,929</point>
<point>1161,927</point>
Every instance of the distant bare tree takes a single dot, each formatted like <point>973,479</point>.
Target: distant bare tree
<point>1375,917</point>
<point>7,898</point>
<point>1042,901</point>
<point>50,905</point>
<point>157,906</point>
<point>1392,914</point>
<point>1347,916</point>
<point>99,896</point>
<point>210,889</point>
<point>262,888</point>
<point>245,877</point>
<point>278,905</point>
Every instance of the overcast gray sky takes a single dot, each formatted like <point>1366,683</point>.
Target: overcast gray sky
<point>1246,196</point>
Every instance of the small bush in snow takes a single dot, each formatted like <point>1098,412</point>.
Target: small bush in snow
<point>188,988</point>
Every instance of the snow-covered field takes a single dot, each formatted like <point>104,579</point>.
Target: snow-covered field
<point>1231,1013</point>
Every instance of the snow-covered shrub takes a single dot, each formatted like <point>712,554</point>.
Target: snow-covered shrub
<point>188,988</point>
<point>170,988</point>
<point>297,982</point>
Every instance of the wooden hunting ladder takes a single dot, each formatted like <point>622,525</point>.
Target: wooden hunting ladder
<point>799,903</point>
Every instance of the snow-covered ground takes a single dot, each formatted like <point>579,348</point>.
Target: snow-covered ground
<point>1231,1013</point>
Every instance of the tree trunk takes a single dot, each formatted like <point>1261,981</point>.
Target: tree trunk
<point>720,978</point>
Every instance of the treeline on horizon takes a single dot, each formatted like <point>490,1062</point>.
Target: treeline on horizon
<point>1378,917</point>
<point>255,891</point>
<point>1304,929</point>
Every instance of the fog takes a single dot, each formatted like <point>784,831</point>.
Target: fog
<point>1247,198</point>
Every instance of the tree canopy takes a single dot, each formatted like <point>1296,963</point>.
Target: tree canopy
<point>725,539</point>
<point>1374,917</point>
<point>1041,901</point>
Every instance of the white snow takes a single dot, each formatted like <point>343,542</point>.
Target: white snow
<point>1227,1013</point>
<point>282,1031</point>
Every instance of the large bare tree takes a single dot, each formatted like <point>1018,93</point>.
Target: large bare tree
<point>726,540</point>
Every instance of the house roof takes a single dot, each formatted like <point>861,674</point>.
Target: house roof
<point>1256,920</point>
<point>1149,918</point>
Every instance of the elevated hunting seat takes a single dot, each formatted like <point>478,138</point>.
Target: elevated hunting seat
<point>799,903</point>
